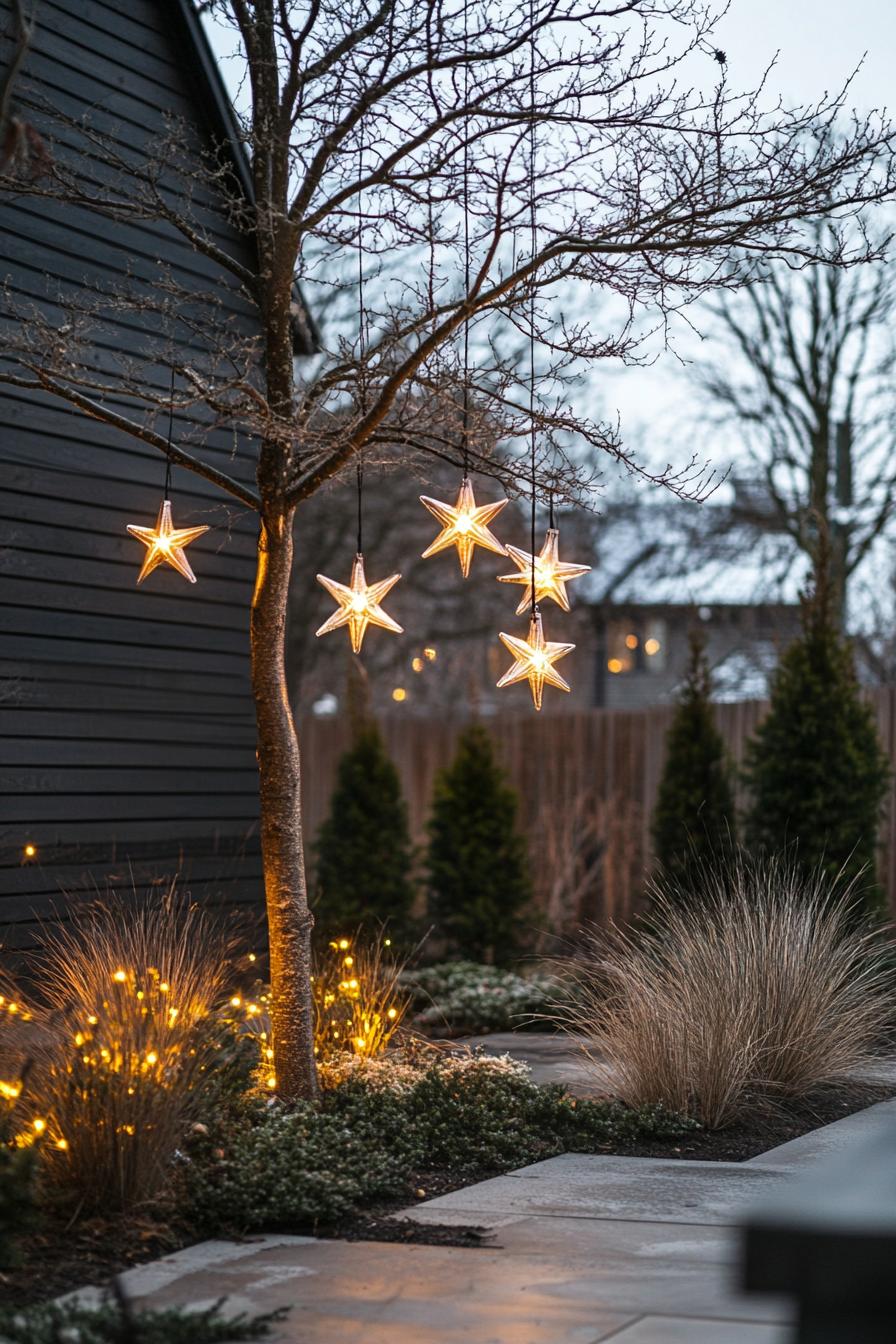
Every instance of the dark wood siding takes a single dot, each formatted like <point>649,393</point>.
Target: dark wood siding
<point>125,713</point>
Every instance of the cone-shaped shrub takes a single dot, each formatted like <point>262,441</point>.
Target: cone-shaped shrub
<point>363,850</point>
<point>694,819</point>
<point>478,870</point>
<point>816,771</point>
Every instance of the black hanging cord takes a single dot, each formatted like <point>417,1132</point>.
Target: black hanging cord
<point>167,494</point>
<point>362,313</point>
<point>551,509</point>
<point>465,433</point>
<point>362,327</point>
<point>533,239</point>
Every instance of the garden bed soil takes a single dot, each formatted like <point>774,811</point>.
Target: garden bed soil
<point>63,1254</point>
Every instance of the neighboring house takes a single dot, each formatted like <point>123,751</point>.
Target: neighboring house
<point>640,651</point>
<point>128,749</point>
<point>626,656</point>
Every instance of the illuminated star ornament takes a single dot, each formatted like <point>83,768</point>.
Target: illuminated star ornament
<point>165,544</point>
<point>465,525</point>
<point>359,604</point>
<point>551,573</point>
<point>534,660</point>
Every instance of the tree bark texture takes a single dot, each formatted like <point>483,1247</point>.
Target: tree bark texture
<point>286,894</point>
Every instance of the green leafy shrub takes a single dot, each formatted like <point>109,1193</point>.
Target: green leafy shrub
<point>816,771</point>
<point>110,1323</point>
<point>456,997</point>
<point>363,849</point>
<point>18,1207</point>
<point>382,1122</point>
<point>694,819</point>
<point>478,870</point>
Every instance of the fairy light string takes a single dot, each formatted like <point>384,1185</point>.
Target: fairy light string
<point>533,240</point>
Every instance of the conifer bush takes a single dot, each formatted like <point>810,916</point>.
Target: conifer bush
<point>815,769</point>
<point>477,866</point>
<point>363,849</point>
<point>694,820</point>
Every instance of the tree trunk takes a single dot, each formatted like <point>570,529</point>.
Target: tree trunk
<point>286,894</point>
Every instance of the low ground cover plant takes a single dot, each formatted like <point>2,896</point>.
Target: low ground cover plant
<point>380,1126</point>
<point>459,997</point>
<point>114,1323</point>
<point>763,987</point>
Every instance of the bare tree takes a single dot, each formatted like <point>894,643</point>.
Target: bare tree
<point>368,121</point>
<point>22,150</point>
<point>806,384</point>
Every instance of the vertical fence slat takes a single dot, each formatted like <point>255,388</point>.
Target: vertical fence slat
<point>612,758</point>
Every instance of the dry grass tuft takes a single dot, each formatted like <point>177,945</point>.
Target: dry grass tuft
<point>763,987</point>
<point>126,1042</point>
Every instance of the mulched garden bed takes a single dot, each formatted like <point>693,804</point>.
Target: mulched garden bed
<point>62,1255</point>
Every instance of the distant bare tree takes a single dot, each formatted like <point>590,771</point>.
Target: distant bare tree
<point>368,121</point>
<point>589,865</point>
<point>801,372</point>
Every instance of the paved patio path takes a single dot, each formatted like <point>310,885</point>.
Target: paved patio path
<point>584,1249</point>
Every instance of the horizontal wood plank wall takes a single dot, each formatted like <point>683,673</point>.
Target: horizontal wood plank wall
<point>125,713</point>
<point>612,757</point>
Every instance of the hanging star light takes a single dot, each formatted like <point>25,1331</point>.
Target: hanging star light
<point>551,573</point>
<point>359,604</point>
<point>465,525</point>
<point>165,544</point>
<point>535,657</point>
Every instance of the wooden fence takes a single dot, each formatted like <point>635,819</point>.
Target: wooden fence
<point>587,783</point>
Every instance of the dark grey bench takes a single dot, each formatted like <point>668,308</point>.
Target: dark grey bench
<point>827,1239</point>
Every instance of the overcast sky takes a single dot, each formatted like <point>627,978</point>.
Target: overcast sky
<point>818,43</point>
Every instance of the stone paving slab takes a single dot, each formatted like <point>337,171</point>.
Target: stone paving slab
<point>635,1266</point>
<point>631,1188</point>
<point>829,1139</point>
<point>388,1294</point>
<point>689,1330</point>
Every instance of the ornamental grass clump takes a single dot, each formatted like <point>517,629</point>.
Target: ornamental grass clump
<point>128,1045</point>
<point>762,989</point>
